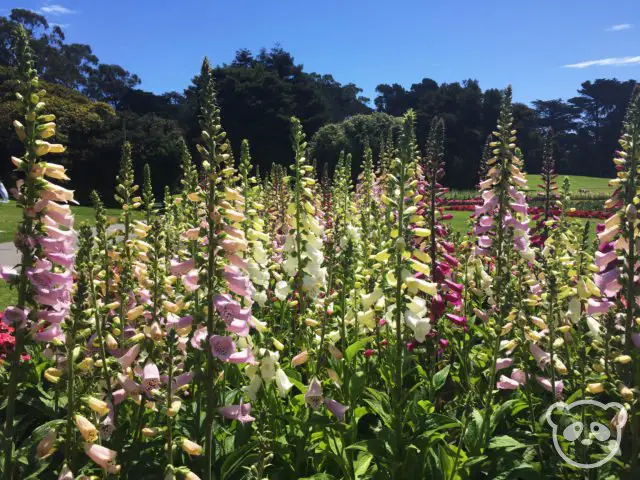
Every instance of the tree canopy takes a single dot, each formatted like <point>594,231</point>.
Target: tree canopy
<point>103,104</point>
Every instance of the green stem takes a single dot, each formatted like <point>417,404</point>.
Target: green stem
<point>209,447</point>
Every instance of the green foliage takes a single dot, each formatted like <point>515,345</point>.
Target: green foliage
<point>351,136</point>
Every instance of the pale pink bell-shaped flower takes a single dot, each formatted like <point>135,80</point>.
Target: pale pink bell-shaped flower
<point>336,408</point>
<point>238,412</point>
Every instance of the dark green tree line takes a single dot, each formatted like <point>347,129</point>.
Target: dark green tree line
<point>102,105</point>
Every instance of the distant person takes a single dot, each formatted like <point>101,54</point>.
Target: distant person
<point>4,196</point>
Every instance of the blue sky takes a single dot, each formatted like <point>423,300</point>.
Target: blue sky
<point>527,43</point>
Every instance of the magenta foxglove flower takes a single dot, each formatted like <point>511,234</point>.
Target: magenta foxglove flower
<point>238,282</point>
<point>243,356</point>
<point>199,336</point>
<point>519,376</point>
<point>129,357</point>
<point>458,320</point>
<point>182,268</point>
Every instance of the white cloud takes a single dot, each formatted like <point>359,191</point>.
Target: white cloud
<point>603,62</point>
<point>56,10</point>
<point>619,27</point>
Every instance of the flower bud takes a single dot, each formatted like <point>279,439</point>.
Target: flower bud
<point>47,445</point>
<point>623,359</point>
<point>191,448</point>
<point>98,406</point>
<point>627,394</point>
<point>175,408</point>
<point>150,432</point>
<point>595,388</point>
<point>53,374</point>
<point>300,359</point>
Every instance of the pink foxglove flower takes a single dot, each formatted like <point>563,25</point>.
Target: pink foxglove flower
<point>503,363</point>
<point>314,397</point>
<point>336,408</point>
<point>238,412</point>
<point>546,384</point>
<point>150,377</point>
<point>103,457</point>
<point>222,347</point>
<point>507,383</point>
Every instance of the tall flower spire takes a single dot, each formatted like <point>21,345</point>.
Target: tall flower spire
<point>549,187</point>
<point>44,236</point>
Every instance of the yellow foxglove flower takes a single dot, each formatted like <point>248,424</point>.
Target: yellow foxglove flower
<point>135,312</point>
<point>623,359</point>
<point>595,388</point>
<point>415,284</point>
<point>191,448</point>
<point>382,256</point>
<point>424,257</point>
<point>87,429</point>
<point>98,406</point>
<point>420,267</point>
<point>53,374</point>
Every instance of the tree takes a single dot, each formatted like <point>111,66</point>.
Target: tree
<point>110,84</point>
<point>602,105</point>
<point>351,136</point>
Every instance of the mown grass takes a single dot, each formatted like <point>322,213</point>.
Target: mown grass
<point>10,215</point>
<point>460,223</point>
<point>581,187</point>
<point>8,296</point>
<point>579,184</point>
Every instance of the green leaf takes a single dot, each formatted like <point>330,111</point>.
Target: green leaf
<point>505,442</point>
<point>237,459</point>
<point>362,464</point>
<point>474,430</point>
<point>499,413</point>
<point>440,378</point>
<point>354,348</point>
<point>319,476</point>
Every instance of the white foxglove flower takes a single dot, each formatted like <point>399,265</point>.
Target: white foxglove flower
<point>253,388</point>
<point>260,298</point>
<point>282,290</point>
<point>421,326</point>
<point>283,383</point>
<point>268,365</point>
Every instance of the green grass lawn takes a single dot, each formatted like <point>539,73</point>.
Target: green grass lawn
<point>7,295</point>
<point>10,216</point>
<point>460,223</point>
<point>580,186</point>
<point>592,185</point>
